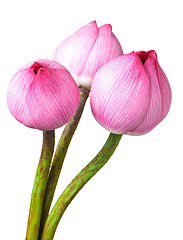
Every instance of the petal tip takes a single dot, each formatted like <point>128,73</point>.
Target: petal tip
<point>92,24</point>
<point>106,27</point>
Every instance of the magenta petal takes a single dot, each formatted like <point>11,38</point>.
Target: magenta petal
<point>120,94</point>
<point>73,52</point>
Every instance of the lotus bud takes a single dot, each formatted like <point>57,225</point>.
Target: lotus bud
<point>131,94</point>
<point>88,49</point>
<point>43,95</point>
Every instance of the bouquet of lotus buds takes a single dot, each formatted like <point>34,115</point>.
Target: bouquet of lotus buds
<point>129,94</point>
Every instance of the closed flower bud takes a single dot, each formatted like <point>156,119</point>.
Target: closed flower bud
<point>43,95</point>
<point>88,49</point>
<point>131,94</point>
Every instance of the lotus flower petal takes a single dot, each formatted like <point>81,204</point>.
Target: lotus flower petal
<point>74,51</point>
<point>120,94</point>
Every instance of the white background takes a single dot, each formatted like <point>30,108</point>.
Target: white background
<point>139,193</point>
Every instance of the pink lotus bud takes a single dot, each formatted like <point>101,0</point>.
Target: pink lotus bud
<point>43,95</point>
<point>88,49</point>
<point>131,94</point>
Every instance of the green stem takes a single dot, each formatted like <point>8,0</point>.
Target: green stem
<point>76,185</point>
<point>39,187</point>
<point>60,154</point>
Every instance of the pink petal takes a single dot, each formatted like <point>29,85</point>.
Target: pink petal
<point>52,99</point>
<point>116,49</point>
<point>120,94</point>
<point>160,95</point>
<point>105,48</point>
<point>16,93</point>
<point>73,52</point>
<point>165,92</point>
<point>154,113</point>
<point>164,87</point>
